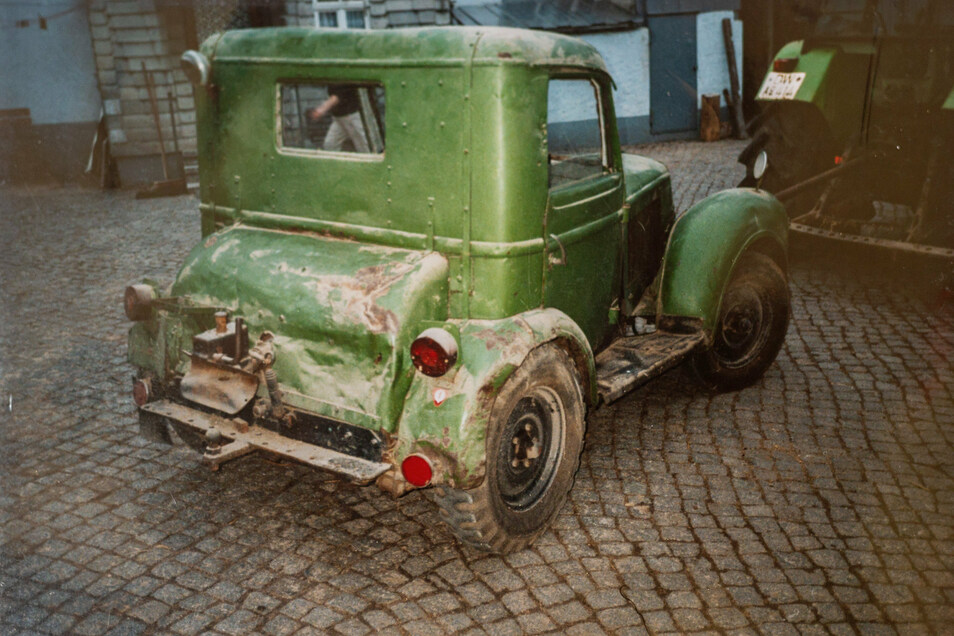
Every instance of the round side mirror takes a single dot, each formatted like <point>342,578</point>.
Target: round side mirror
<point>760,165</point>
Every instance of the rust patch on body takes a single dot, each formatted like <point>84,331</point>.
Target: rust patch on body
<point>493,339</point>
<point>356,296</point>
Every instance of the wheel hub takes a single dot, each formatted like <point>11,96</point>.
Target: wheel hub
<point>526,446</point>
<point>528,459</point>
<point>741,323</point>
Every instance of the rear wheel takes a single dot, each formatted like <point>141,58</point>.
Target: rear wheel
<point>753,319</point>
<point>534,441</point>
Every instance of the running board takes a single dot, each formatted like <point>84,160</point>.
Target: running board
<point>238,438</point>
<point>633,361</point>
<point>900,246</point>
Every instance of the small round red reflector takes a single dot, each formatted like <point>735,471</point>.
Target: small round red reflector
<point>417,470</point>
<point>434,352</point>
<point>140,392</point>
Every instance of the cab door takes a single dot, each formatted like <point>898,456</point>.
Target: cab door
<point>582,221</point>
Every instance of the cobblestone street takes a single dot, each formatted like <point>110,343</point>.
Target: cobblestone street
<point>821,500</point>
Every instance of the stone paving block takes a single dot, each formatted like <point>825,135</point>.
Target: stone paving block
<point>815,501</point>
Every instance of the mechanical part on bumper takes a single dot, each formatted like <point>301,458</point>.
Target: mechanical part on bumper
<point>218,386</point>
<point>137,302</point>
<point>434,352</point>
<point>274,393</point>
<point>417,470</point>
<point>222,374</point>
<point>235,442</point>
<point>142,391</point>
<point>213,441</point>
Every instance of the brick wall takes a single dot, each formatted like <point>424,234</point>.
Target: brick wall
<point>128,34</point>
<point>383,14</point>
<point>128,37</point>
<point>402,13</point>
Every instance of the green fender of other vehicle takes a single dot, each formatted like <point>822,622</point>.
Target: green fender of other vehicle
<point>706,243</point>
<point>451,427</point>
<point>949,102</point>
<point>834,84</point>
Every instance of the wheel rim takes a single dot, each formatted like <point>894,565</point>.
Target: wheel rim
<point>530,449</point>
<point>743,327</point>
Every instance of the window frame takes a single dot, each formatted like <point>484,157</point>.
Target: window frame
<point>340,155</point>
<point>340,8</point>
<point>608,165</point>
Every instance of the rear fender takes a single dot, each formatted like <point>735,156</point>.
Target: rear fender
<point>447,418</point>
<point>705,245</point>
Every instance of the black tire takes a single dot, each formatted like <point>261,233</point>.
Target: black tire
<point>750,330</point>
<point>798,145</point>
<point>539,410</point>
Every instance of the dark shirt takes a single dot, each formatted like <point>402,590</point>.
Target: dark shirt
<point>348,101</point>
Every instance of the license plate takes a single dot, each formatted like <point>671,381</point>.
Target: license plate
<point>781,86</point>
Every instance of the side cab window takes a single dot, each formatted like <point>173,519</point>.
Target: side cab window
<point>577,146</point>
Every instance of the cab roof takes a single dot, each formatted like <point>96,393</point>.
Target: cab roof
<point>438,46</point>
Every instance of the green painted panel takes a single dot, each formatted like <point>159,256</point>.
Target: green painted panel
<point>343,313</point>
<point>707,241</point>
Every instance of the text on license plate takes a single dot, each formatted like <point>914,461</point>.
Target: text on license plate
<point>781,85</point>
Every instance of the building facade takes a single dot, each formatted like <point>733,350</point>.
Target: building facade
<point>130,111</point>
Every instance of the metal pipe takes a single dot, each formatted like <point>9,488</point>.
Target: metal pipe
<point>821,177</point>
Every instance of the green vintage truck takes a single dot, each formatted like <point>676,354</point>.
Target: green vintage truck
<point>425,257</point>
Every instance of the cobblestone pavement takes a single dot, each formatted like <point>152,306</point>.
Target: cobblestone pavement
<point>819,501</point>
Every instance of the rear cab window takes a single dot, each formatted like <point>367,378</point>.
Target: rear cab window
<point>330,118</point>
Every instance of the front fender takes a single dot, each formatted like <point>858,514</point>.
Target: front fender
<point>447,418</point>
<point>708,240</point>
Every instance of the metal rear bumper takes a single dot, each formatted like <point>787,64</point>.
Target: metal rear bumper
<point>238,438</point>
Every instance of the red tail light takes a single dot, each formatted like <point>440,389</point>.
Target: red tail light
<point>785,64</point>
<point>417,470</point>
<point>434,352</point>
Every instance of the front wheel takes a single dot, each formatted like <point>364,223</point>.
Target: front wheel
<point>753,319</point>
<point>534,440</point>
